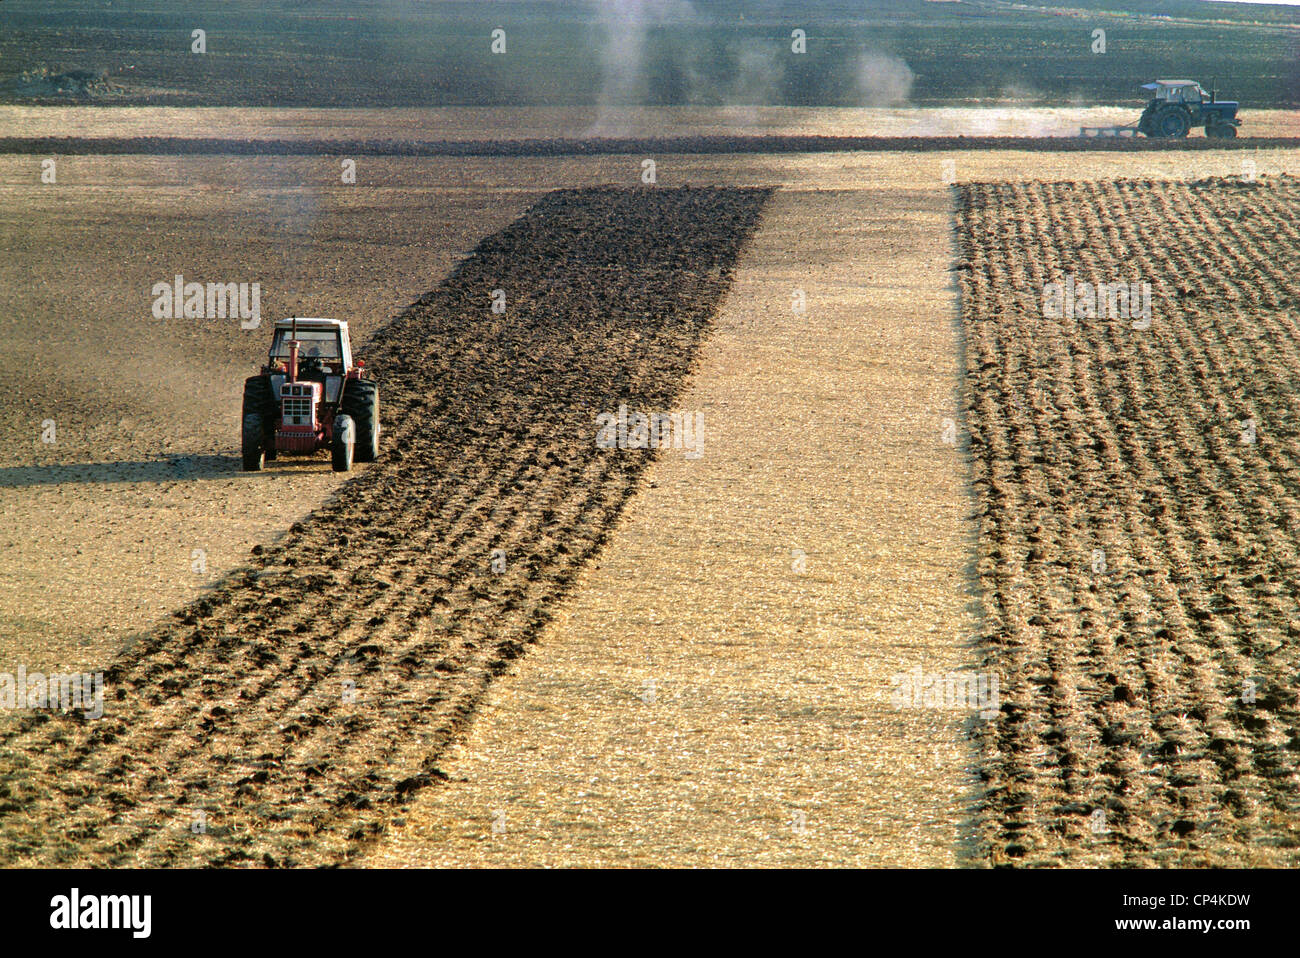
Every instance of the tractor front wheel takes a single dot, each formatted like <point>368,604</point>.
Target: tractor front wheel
<point>253,443</point>
<point>1221,131</point>
<point>341,444</point>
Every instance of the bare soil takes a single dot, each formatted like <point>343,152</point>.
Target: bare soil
<point>100,528</point>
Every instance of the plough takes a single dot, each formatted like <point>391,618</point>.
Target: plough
<point>1108,131</point>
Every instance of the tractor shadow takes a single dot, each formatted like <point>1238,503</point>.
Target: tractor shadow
<point>165,469</point>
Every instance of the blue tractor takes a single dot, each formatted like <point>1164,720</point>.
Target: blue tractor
<point>1178,105</point>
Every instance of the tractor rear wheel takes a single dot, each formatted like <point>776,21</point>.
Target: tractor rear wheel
<point>253,443</point>
<point>361,403</point>
<point>1172,122</point>
<point>1144,121</point>
<point>340,446</point>
<point>259,399</point>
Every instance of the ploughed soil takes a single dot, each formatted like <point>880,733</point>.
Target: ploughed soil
<point>1139,520</point>
<point>279,719</point>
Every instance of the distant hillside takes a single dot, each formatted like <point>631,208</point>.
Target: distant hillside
<point>409,53</point>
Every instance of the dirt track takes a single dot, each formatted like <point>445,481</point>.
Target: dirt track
<point>1138,552</point>
<point>240,708</point>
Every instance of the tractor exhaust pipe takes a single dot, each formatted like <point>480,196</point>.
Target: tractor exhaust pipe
<point>293,352</point>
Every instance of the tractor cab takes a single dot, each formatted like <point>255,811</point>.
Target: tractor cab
<point>1176,91</point>
<point>325,340</point>
<point>324,353</point>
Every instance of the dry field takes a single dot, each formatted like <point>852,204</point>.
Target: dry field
<point>1138,520</point>
<point>100,527</point>
<point>309,693</point>
<point>103,524</point>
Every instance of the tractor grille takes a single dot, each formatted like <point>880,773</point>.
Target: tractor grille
<point>297,411</point>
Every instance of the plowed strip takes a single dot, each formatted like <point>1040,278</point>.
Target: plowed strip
<point>317,688</point>
<point>1139,544</point>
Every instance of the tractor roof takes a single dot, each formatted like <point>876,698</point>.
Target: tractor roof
<point>1160,83</point>
<point>308,322</point>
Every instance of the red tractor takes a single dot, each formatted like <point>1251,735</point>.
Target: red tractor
<point>310,396</point>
